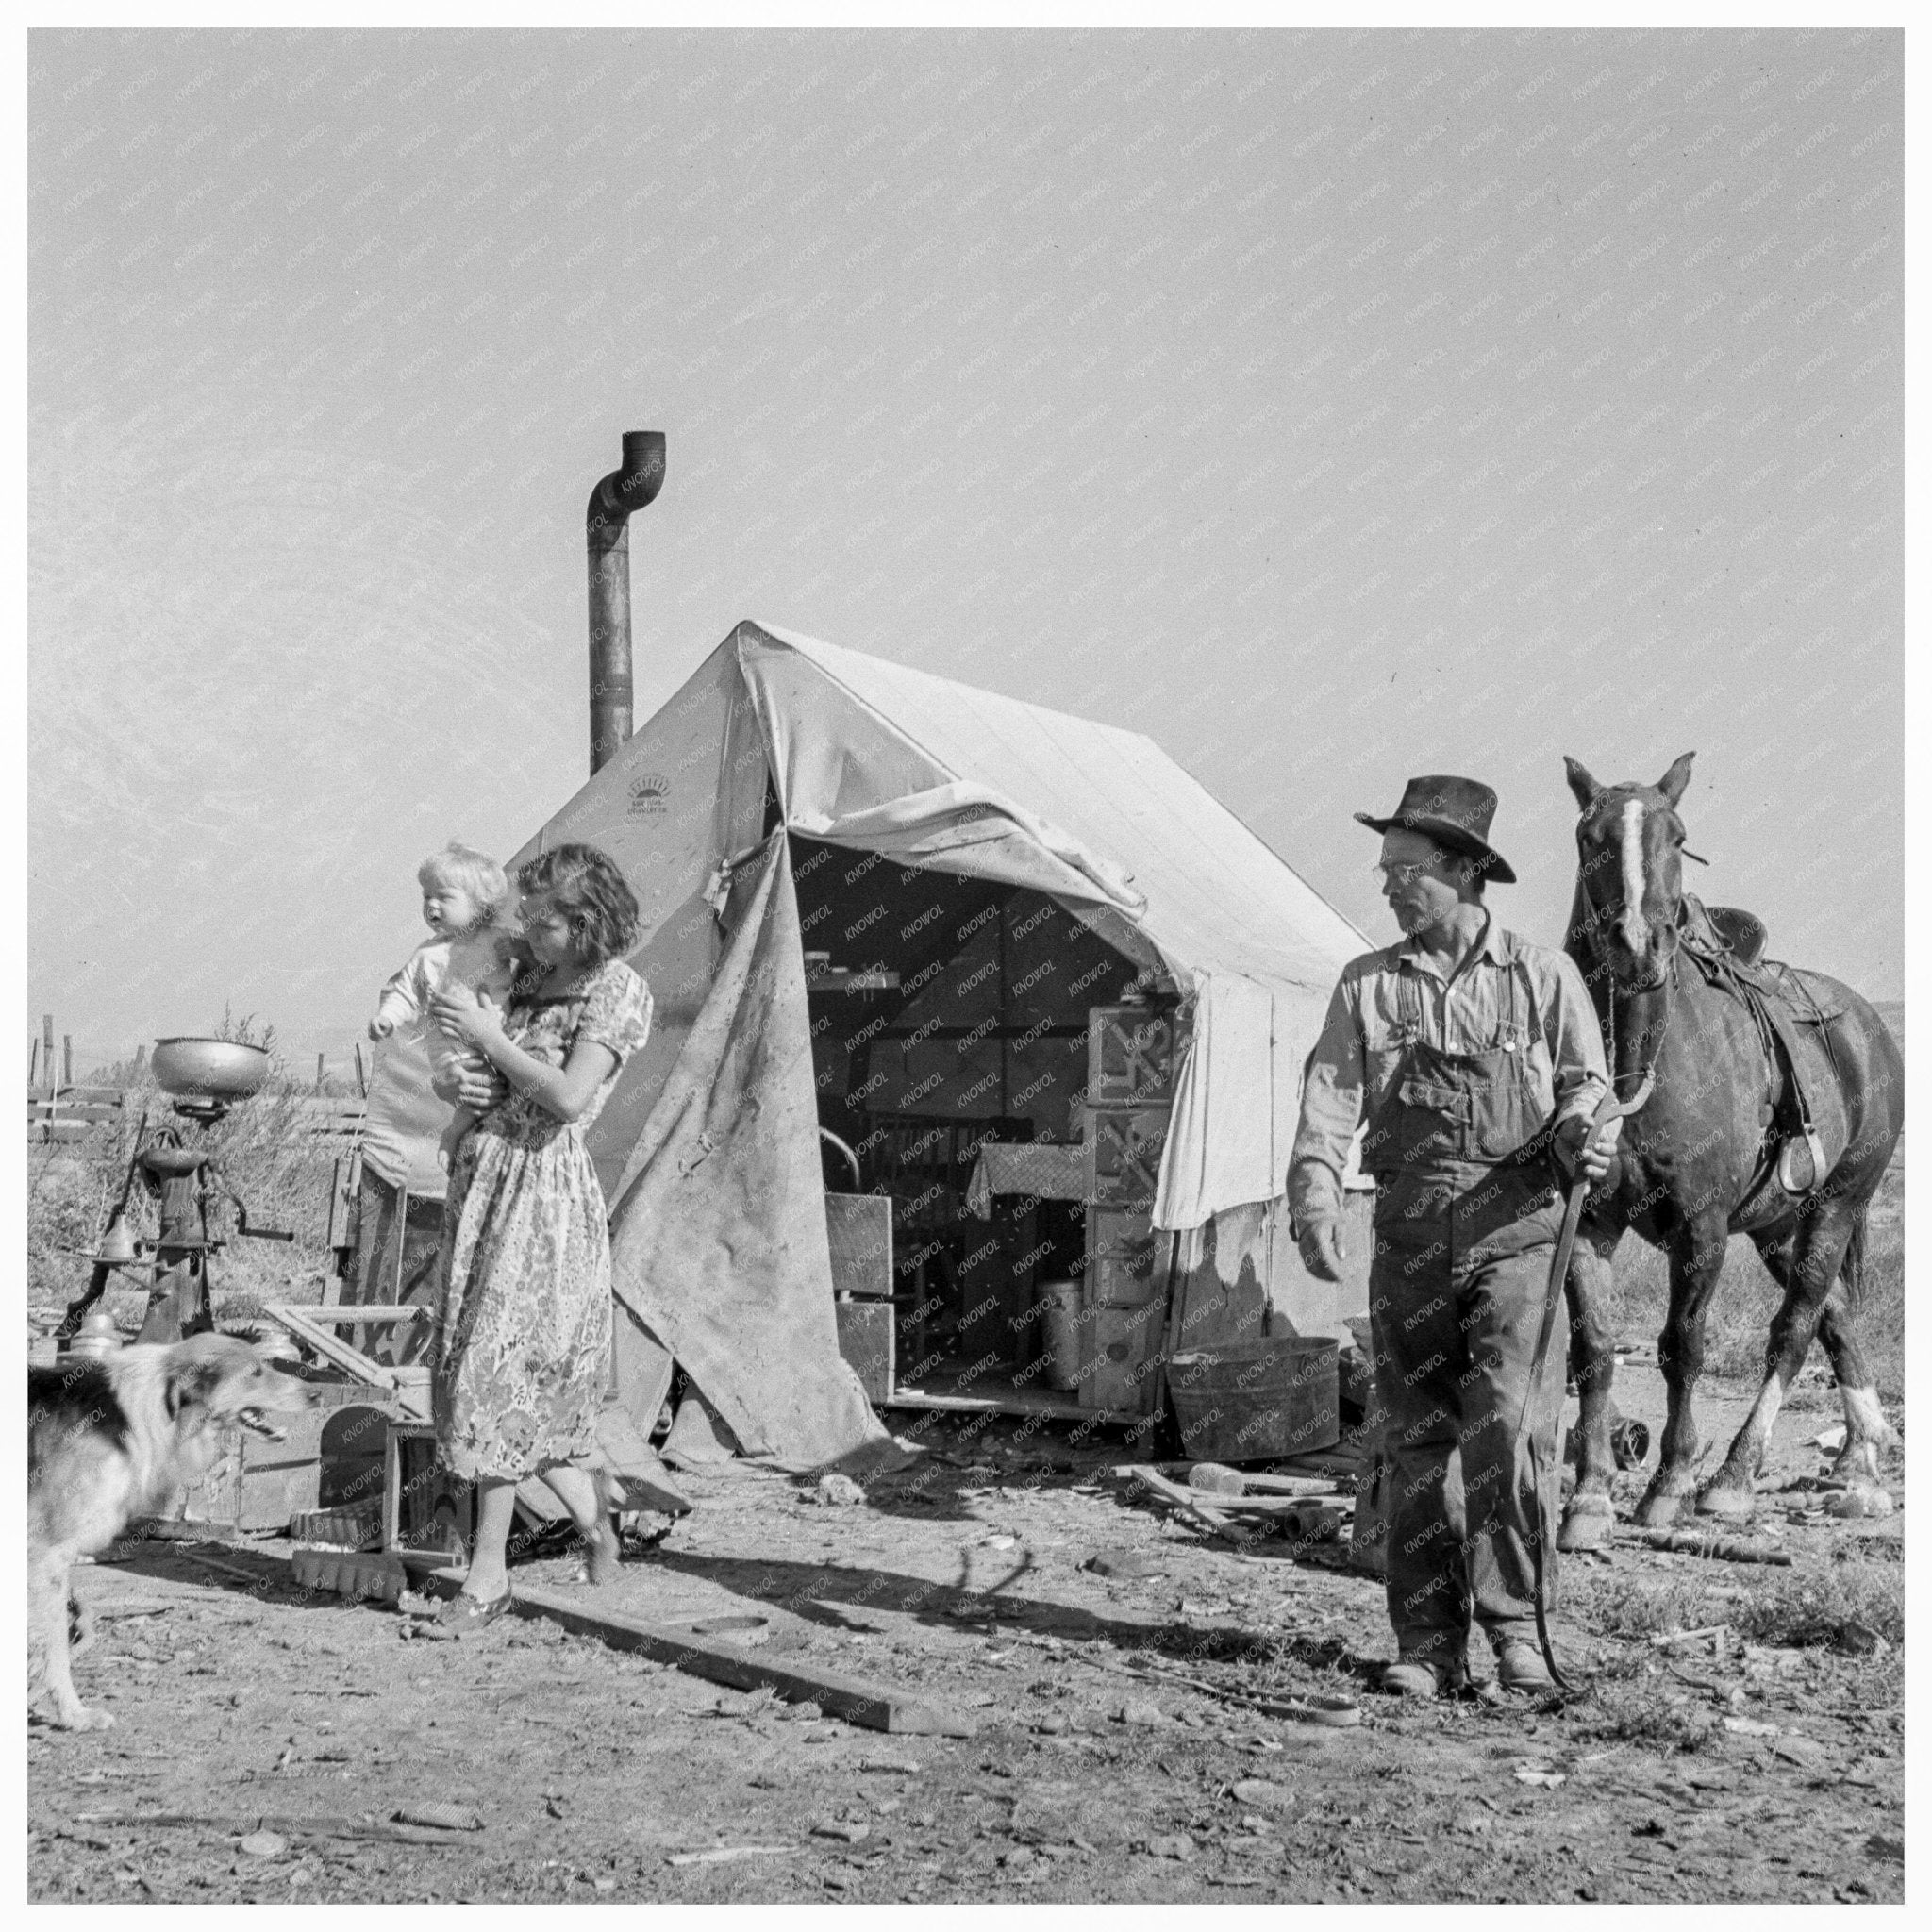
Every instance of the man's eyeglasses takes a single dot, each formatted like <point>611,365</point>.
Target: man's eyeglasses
<point>1399,874</point>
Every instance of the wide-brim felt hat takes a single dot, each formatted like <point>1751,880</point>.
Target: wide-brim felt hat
<point>1456,813</point>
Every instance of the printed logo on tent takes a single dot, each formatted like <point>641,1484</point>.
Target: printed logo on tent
<point>649,796</point>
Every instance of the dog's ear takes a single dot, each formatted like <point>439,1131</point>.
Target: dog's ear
<point>190,1385</point>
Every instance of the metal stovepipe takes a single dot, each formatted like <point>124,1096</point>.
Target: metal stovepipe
<point>607,538</point>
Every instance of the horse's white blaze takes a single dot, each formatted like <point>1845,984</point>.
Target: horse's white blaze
<point>1633,864</point>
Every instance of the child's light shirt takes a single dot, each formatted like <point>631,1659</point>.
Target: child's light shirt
<point>477,960</point>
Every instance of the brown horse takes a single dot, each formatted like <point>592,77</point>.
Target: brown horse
<point>1697,1163</point>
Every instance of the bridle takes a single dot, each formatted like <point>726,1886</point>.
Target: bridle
<point>1664,979</point>
<point>1667,979</point>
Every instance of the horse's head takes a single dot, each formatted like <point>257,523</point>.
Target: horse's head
<point>1629,845</point>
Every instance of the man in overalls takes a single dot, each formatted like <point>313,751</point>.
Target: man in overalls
<point>1471,1057</point>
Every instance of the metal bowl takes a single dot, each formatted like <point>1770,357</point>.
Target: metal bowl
<point>220,1068</point>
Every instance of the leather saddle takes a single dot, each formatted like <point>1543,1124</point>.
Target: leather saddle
<point>1743,932</point>
<point>1728,945</point>
<point>1730,941</point>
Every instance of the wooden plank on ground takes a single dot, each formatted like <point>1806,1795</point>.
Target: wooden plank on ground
<point>1328,1463</point>
<point>858,1699</point>
<point>1289,1485</point>
<point>1207,1500</point>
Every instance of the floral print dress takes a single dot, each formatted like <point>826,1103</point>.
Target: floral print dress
<point>521,1361</point>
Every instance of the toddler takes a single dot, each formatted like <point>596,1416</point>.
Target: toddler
<point>465,897</point>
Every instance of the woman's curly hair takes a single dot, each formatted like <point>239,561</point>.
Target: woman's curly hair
<point>584,885</point>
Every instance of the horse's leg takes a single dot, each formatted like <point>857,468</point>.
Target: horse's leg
<point>1866,1432</point>
<point>1589,1517</point>
<point>1697,1259</point>
<point>1816,1256</point>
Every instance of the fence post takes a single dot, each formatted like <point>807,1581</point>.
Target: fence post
<point>47,1051</point>
<point>318,1072</point>
<point>67,1059</point>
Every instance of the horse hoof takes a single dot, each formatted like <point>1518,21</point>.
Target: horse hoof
<point>1857,1468</point>
<point>1587,1524</point>
<point>1660,1509</point>
<point>1861,1501</point>
<point>1726,1500</point>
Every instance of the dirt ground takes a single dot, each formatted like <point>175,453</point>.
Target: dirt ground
<point>283,1729</point>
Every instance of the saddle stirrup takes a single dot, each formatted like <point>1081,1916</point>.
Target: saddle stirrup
<point>1801,1164</point>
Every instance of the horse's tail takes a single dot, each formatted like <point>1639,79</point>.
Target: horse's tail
<point>1851,1269</point>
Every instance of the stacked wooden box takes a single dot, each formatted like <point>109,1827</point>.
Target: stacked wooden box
<point>858,1230</point>
<point>1132,1054</point>
<point>331,1456</point>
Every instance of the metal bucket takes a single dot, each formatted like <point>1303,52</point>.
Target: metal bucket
<point>1253,1401</point>
<point>1059,1305</point>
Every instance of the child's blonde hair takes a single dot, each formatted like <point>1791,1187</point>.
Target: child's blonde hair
<point>470,871</point>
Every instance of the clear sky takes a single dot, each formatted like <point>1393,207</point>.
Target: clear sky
<point>1330,406</point>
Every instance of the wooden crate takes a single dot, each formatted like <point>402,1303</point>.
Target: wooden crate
<point>332,1457</point>
<point>858,1229</point>
<point>1124,1147</point>
<point>865,1340</point>
<point>1120,1357</point>
<point>1131,1056</point>
<point>1125,1259</point>
<point>424,1507</point>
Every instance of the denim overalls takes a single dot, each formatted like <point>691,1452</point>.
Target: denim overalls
<point>1466,1215</point>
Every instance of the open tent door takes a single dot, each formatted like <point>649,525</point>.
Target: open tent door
<point>718,1244</point>
<point>708,1149</point>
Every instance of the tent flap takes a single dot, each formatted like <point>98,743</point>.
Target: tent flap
<point>1223,1149</point>
<point>880,757</point>
<point>719,1245</point>
<point>947,818</point>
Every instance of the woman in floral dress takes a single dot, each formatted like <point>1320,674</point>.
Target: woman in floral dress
<point>523,1354</point>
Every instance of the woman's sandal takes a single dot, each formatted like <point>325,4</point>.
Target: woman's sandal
<point>463,1612</point>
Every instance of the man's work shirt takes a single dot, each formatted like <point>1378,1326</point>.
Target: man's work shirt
<point>1358,1058</point>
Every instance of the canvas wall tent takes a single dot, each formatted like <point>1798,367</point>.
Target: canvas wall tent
<point>972,876</point>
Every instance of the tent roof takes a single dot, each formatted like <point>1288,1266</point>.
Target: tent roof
<point>1219,900</point>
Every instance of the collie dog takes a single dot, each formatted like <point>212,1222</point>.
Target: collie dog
<point>110,1440</point>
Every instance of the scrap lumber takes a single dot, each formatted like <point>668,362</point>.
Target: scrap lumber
<point>1252,1483</point>
<point>858,1699</point>
<point>291,1824</point>
<point>1217,1479</point>
<point>1348,1463</point>
<point>352,1361</point>
<point>1336,1713</point>
<point>1695,1543</point>
<point>1302,1486</point>
<point>1290,1506</point>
